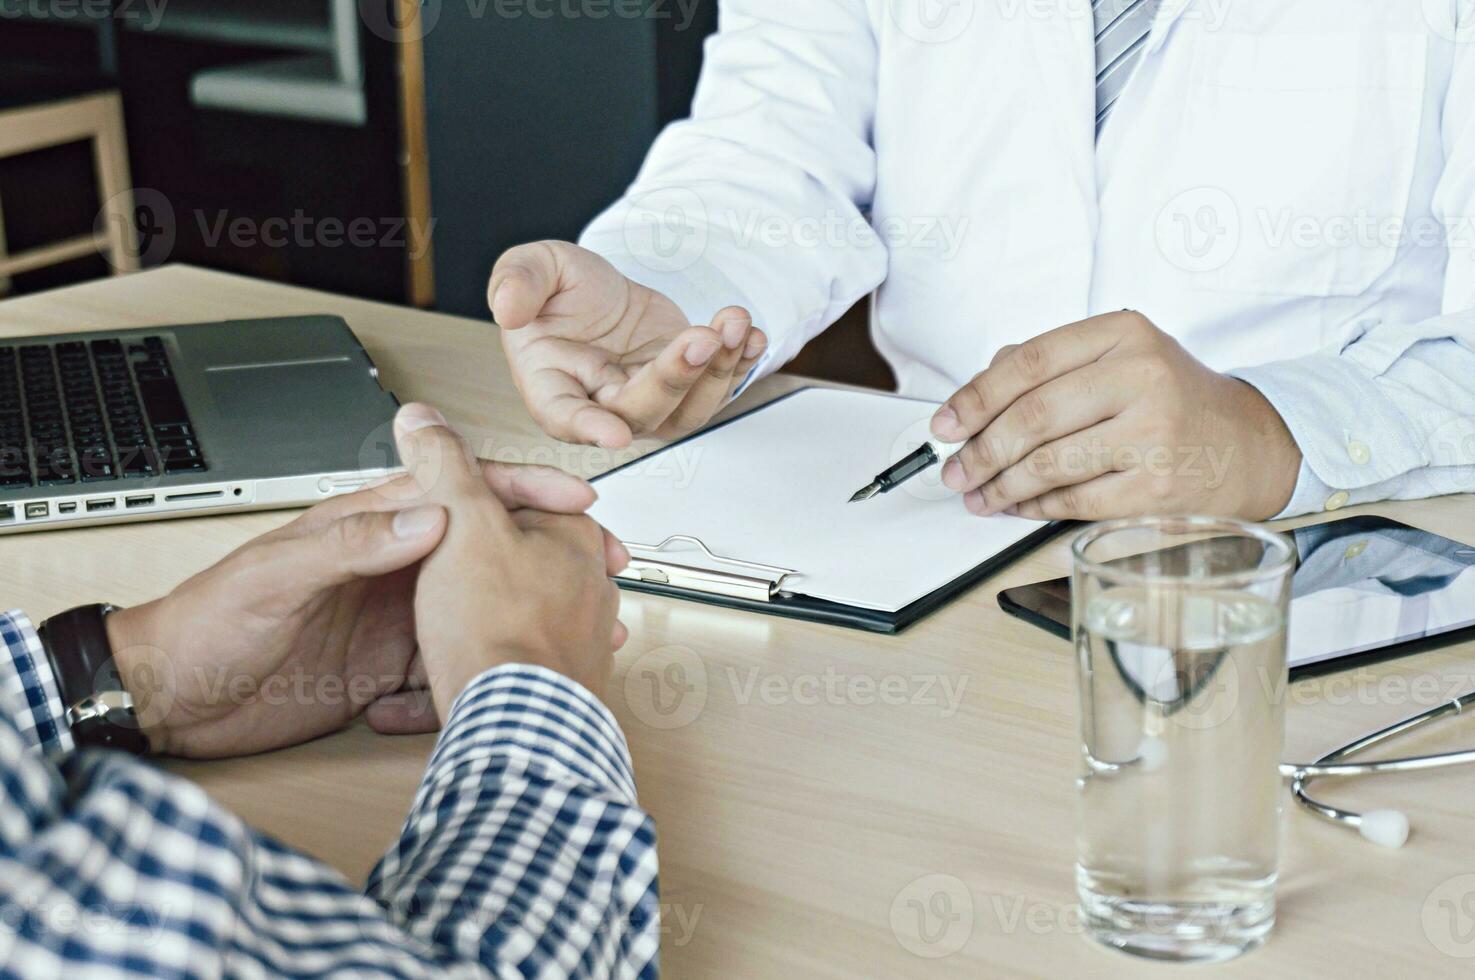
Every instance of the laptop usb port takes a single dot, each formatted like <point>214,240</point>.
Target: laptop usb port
<point>146,500</point>
<point>106,503</point>
<point>7,513</point>
<point>34,511</point>
<point>67,508</point>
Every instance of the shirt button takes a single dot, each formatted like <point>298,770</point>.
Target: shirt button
<point>1356,550</point>
<point>1359,453</point>
<point>1338,500</point>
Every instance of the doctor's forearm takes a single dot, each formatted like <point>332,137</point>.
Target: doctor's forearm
<point>759,198</point>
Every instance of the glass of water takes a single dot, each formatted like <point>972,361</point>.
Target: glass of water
<point>1180,633</point>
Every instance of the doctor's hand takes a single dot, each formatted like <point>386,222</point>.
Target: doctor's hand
<point>1111,417</point>
<point>601,359</point>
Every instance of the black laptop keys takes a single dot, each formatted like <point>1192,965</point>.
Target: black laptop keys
<point>83,412</point>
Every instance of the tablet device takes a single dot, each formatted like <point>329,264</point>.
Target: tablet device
<point>1365,588</point>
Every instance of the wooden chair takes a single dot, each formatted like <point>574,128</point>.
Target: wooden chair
<point>41,108</point>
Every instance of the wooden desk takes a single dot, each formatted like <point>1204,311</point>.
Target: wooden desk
<point>810,779</point>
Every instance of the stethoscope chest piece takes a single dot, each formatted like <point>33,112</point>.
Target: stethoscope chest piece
<point>1387,828</point>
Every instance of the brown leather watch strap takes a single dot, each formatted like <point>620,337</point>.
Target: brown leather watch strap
<point>99,708</point>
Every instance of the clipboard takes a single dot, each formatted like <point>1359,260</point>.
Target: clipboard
<point>680,562</point>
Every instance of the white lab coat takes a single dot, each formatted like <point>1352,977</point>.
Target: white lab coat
<point>1286,186</point>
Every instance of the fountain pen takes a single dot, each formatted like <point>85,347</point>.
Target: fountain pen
<point>931,453</point>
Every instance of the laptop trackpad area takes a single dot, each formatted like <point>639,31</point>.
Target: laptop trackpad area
<point>296,418</point>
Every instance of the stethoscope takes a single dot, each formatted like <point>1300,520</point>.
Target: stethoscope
<point>1388,828</point>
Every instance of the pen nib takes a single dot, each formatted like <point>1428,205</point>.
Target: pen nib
<point>866,493</point>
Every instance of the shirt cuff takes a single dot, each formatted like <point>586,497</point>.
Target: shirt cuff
<point>1351,436</point>
<point>28,686</point>
<point>533,712</point>
<point>1312,496</point>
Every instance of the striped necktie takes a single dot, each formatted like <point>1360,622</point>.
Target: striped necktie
<point>1122,27</point>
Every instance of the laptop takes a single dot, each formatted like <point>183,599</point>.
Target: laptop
<point>129,425</point>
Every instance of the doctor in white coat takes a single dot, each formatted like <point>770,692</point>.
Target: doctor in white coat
<point>1282,190</point>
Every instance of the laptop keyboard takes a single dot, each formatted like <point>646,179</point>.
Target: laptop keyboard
<point>79,412</point>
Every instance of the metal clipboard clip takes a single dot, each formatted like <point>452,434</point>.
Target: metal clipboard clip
<point>759,583</point>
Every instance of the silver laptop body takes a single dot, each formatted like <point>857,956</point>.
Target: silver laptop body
<point>171,421</point>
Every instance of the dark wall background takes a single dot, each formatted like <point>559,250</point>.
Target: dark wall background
<point>537,124</point>
<point>679,59</point>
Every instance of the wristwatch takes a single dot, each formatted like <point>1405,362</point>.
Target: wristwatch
<point>99,710</point>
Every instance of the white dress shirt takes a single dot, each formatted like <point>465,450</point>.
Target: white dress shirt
<point>1287,188</point>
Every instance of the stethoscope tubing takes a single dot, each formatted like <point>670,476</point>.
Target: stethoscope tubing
<point>1331,764</point>
<point>1408,764</point>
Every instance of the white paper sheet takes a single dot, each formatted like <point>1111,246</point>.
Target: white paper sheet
<point>773,487</point>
